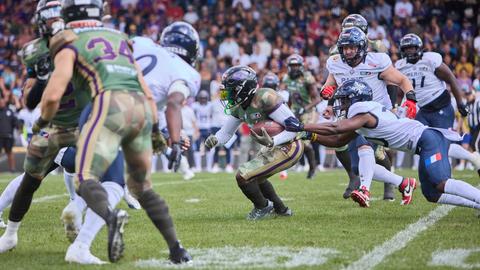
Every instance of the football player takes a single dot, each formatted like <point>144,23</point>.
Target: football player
<point>203,109</point>
<point>429,74</point>
<point>246,102</point>
<point>303,97</point>
<point>357,20</point>
<point>355,62</point>
<point>354,101</point>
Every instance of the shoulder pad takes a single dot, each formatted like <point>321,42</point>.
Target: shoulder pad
<point>29,49</point>
<point>268,99</point>
<point>61,39</point>
<point>309,78</point>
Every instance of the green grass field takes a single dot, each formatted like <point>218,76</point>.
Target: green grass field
<point>326,231</point>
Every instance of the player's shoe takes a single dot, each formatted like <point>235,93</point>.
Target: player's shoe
<point>130,200</point>
<point>8,242</point>
<point>261,213</point>
<point>388,192</point>
<point>407,187</point>
<point>229,169</point>
<point>287,212</point>
<point>80,253</point>
<point>117,221</point>
<point>72,220</point>
<point>311,173</point>
<point>179,255</point>
<point>353,184</point>
<point>320,168</point>
<point>476,161</point>
<point>214,169</point>
<point>361,196</point>
<point>189,174</point>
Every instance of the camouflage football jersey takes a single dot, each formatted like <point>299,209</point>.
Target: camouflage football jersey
<point>268,161</point>
<point>373,46</point>
<point>298,90</point>
<point>35,54</point>
<point>121,116</point>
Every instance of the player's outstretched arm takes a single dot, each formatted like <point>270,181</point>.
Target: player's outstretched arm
<point>342,126</point>
<point>334,140</point>
<point>225,133</point>
<point>445,74</point>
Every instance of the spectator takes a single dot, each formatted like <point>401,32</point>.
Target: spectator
<point>383,12</point>
<point>464,81</point>
<point>476,84</point>
<point>468,67</point>
<point>450,31</point>
<point>375,30</point>
<point>8,122</point>
<point>229,47</point>
<point>191,15</point>
<point>258,58</point>
<point>264,45</point>
<point>403,9</point>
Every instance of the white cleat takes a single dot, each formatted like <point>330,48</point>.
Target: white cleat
<point>72,221</point>
<point>229,169</point>
<point>80,253</point>
<point>188,175</point>
<point>8,242</point>
<point>130,200</point>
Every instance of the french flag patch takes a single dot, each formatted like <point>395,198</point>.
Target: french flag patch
<point>432,159</point>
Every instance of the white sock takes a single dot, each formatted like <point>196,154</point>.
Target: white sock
<point>184,167</point>
<point>462,189</point>
<point>458,152</point>
<point>164,162</point>
<point>93,222</point>
<point>69,179</point>
<point>322,153</point>
<point>383,175</point>
<point>457,200</point>
<point>12,228</point>
<point>198,160</point>
<point>80,203</point>
<point>365,166</point>
<point>399,159</point>
<point>7,195</point>
<point>154,163</point>
<point>210,155</point>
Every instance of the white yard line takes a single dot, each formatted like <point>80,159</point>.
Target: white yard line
<point>192,181</point>
<point>400,240</point>
<point>49,198</point>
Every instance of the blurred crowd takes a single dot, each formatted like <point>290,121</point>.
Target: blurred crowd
<point>262,34</point>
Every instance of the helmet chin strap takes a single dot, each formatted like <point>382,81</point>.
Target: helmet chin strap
<point>84,23</point>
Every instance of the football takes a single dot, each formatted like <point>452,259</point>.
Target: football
<point>273,128</point>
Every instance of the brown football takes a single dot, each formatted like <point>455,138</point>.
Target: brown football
<point>273,128</point>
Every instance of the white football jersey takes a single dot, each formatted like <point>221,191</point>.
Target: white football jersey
<point>367,71</point>
<point>161,68</point>
<point>427,85</point>
<point>29,117</point>
<point>218,114</point>
<point>204,114</point>
<point>399,134</point>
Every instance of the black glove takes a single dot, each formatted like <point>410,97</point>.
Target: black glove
<point>463,109</point>
<point>159,143</point>
<point>43,67</point>
<point>39,125</point>
<point>175,156</point>
<point>293,124</point>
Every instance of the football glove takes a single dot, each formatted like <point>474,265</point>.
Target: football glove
<point>264,139</point>
<point>410,104</point>
<point>293,124</point>
<point>39,125</point>
<point>306,136</point>
<point>327,91</point>
<point>211,142</point>
<point>159,143</point>
<point>175,157</point>
<point>462,109</point>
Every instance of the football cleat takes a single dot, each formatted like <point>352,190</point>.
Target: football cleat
<point>80,253</point>
<point>353,184</point>
<point>8,242</point>
<point>179,255</point>
<point>130,200</point>
<point>388,192</point>
<point>188,175</point>
<point>286,213</point>
<point>72,221</point>
<point>311,173</point>
<point>407,187</point>
<point>361,196</point>
<point>117,221</point>
<point>261,213</point>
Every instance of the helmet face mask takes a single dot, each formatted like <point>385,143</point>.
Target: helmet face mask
<point>48,17</point>
<point>340,107</point>
<point>411,48</point>
<point>239,84</point>
<point>181,39</point>
<point>352,37</point>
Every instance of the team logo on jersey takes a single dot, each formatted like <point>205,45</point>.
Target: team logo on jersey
<point>255,116</point>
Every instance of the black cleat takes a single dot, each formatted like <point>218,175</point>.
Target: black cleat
<point>353,184</point>
<point>179,255</point>
<point>287,212</point>
<point>388,192</point>
<point>311,173</point>
<point>117,221</point>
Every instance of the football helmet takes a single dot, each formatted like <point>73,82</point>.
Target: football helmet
<point>74,10</point>
<point>411,41</point>
<point>350,92</point>
<point>48,17</point>
<point>353,36</point>
<point>295,66</point>
<point>355,20</point>
<point>181,39</point>
<point>270,80</point>
<point>239,84</point>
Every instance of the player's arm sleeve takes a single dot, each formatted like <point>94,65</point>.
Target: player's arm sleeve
<point>35,94</point>
<point>384,62</point>
<point>179,86</point>
<point>279,116</point>
<point>228,129</point>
